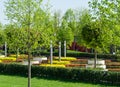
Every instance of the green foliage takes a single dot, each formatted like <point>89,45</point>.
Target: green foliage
<point>84,75</point>
<point>14,37</point>
<point>31,25</point>
<point>92,35</point>
<point>2,36</point>
<point>65,35</point>
<point>67,28</point>
<point>107,12</point>
<point>84,55</point>
<point>84,17</point>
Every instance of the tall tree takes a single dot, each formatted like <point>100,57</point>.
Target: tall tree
<point>107,11</point>
<point>66,31</point>
<point>84,18</point>
<point>92,34</point>
<point>27,15</point>
<point>13,38</point>
<point>2,35</point>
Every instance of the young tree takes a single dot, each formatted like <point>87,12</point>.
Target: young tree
<point>92,34</point>
<point>28,15</point>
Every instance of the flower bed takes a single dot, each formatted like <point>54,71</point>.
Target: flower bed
<point>21,56</point>
<point>8,59</point>
<point>60,62</point>
<point>76,65</point>
<point>79,61</point>
<point>114,70</point>
<point>113,64</point>
<point>65,58</point>
<point>52,65</point>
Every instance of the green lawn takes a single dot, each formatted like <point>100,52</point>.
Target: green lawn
<point>15,81</point>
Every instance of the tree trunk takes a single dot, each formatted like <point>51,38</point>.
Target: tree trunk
<point>29,63</point>
<point>29,70</point>
<point>17,53</point>
<point>95,60</point>
<point>112,49</point>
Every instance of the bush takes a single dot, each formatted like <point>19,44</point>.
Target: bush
<point>86,55</point>
<point>84,75</point>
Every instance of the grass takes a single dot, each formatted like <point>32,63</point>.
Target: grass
<point>16,81</point>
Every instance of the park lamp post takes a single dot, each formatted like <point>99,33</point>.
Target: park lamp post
<point>64,48</point>
<point>51,52</point>
<point>59,51</point>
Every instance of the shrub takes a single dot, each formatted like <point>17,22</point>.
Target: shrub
<point>86,55</point>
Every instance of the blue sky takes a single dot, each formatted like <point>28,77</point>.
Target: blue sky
<point>61,5</point>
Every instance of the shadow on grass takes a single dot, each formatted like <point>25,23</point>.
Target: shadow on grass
<point>71,81</point>
<point>74,81</point>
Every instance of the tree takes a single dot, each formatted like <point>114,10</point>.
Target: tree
<point>28,15</point>
<point>92,35</point>
<point>66,31</point>
<point>2,35</point>
<point>84,18</point>
<point>13,38</point>
<point>107,11</point>
<point>65,34</point>
<point>69,18</point>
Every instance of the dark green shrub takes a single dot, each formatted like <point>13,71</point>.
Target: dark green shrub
<point>84,75</point>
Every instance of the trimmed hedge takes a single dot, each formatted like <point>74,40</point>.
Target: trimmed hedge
<point>84,75</point>
<point>76,54</point>
<point>87,55</point>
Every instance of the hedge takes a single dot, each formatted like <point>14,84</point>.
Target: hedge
<point>86,55</point>
<point>83,75</point>
<point>75,54</point>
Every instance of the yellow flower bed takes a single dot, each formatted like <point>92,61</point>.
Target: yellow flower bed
<point>21,56</point>
<point>12,55</point>
<point>9,59</point>
<point>52,65</point>
<point>60,62</point>
<point>65,58</point>
<point>0,61</point>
